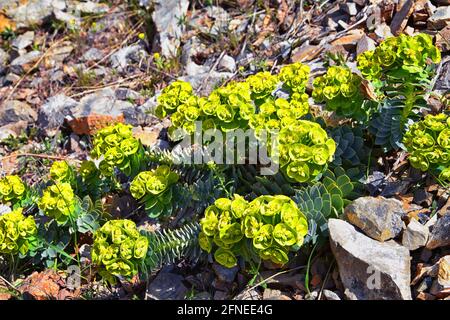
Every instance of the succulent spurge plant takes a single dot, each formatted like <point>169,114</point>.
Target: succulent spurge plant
<point>238,104</point>
<point>58,202</point>
<point>401,69</point>
<point>16,231</point>
<point>268,227</point>
<point>428,142</point>
<point>119,249</point>
<point>118,149</point>
<point>340,89</point>
<point>12,189</point>
<point>304,147</point>
<point>155,190</point>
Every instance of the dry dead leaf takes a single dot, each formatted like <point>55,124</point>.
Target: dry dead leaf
<point>6,23</point>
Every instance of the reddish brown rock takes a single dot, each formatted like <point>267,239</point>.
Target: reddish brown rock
<point>92,123</point>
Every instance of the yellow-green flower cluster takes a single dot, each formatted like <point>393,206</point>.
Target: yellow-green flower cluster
<point>61,171</point>
<point>15,232</point>
<point>237,104</point>
<point>271,226</point>
<point>118,148</point>
<point>295,77</point>
<point>58,202</point>
<point>262,84</point>
<point>172,96</point>
<point>304,150</point>
<point>118,249</point>
<point>12,189</point>
<point>339,88</point>
<point>428,142</point>
<point>399,57</point>
<point>154,189</point>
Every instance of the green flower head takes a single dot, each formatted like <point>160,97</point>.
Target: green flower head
<point>118,249</point>
<point>16,231</point>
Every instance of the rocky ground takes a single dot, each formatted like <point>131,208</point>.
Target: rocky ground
<point>69,67</point>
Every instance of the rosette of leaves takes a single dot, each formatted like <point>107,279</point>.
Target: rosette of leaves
<point>118,250</point>
<point>304,151</point>
<point>13,190</point>
<point>267,228</point>
<point>340,90</point>
<point>16,231</point>
<point>167,246</point>
<point>155,189</point>
<point>350,148</point>
<point>324,200</point>
<point>401,69</point>
<point>428,142</point>
<point>249,181</point>
<point>118,149</point>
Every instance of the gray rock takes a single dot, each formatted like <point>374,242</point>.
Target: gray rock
<point>202,296</point>
<point>441,285</point>
<point>12,129</point>
<point>440,18</point>
<point>18,64</point>
<point>271,294</point>
<point>93,54</point>
<point>252,294</point>
<point>220,295</point>
<point>122,58</point>
<point>369,270</point>
<point>51,114</point>
<point>91,7</point>
<point>443,82</point>
<point>220,17</point>
<point>379,218</point>
<point>190,49</point>
<point>225,274</point>
<point>125,94</point>
<point>166,286</point>
<point>4,209</point>
<point>73,21</point>
<point>105,102</point>
<point>415,236</point>
<point>13,111</point>
<point>227,63</point>
<point>440,234</point>
<point>60,53</point>
<point>166,17</point>
<point>31,12</point>
<point>3,57</point>
<point>350,8</point>
<point>203,79</point>
<point>23,41</point>
<point>10,78</point>
<point>365,44</point>
<point>330,295</point>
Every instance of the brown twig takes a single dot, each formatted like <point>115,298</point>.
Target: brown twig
<point>33,67</point>
<point>38,155</point>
